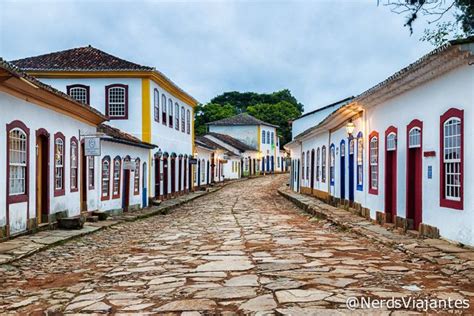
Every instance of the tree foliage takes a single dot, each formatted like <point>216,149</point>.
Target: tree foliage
<point>461,24</point>
<point>278,108</point>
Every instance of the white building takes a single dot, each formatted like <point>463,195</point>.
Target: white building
<point>404,162</point>
<point>255,133</point>
<point>137,99</point>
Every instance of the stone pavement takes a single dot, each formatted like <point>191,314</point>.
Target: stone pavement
<point>244,249</point>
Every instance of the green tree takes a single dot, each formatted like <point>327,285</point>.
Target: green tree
<point>211,112</point>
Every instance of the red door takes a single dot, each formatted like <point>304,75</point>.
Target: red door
<point>414,174</point>
<point>390,174</point>
<point>165,176</point>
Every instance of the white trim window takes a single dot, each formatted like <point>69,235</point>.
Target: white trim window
<point>156,105</point>
<point>74,152</point>
<point>79,94</point>
<point>59,164</point>
<point>188,122</point>
<point>91,174</point>
<point>391,142</point>
<point>116,182</point>
<point>117,102</point>
<point>318,163</point>
<point>452,159</point>
<point>414,138</point>
<point>17,152</point>
<point>105,177</point>
<point>351,146</point>
<point>183,120</point>
<point>374,162</point>
<point>323,164</point>
<point>176,114</point>
<point>332,163</point>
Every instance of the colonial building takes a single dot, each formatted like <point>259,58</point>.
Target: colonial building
<point>137,99</point>
<point>397,152</point>
<point>255,133</point>
<point>211,157</point>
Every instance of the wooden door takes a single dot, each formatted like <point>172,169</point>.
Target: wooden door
<point>42,176</point>
<point>84,186</point>
<point>126,190</point>
<point>414,175</point>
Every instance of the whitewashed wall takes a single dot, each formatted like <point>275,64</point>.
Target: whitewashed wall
<point>245,133</point>
<point>303,123</point>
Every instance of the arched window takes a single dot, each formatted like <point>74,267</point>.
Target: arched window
<point>323,164</point>
<point>414,138</point>
<point>318,163</point>
<point>263,138</point>
<point>74,165</point>
<point>156,105</point>
<point>374,162</point>
<point>183,120</point>
<point>452,160</point>
<point>188,122</point>
<point>391,142</point>
<point>303,159</point>
<point>116,177</point>
<point>116,101</point>
<point>307,165</point>
<point>170,113</point>
<point>105,178</point>
<point>332,162</point>
<point>91,175</point>
<point>343,149</point>
<point>360,161</point>
<point>79,92</point>
<point>17,162</point>
<point>59,142</point>
<point>176,114</point>
<point>136,177</point>
<point>163,109</point>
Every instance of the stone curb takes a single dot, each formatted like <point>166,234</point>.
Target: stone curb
<point>158,210</point>
<point>402,243</point>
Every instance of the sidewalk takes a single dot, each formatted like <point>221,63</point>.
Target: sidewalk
<point>450,257</point>
<point>24,246</point>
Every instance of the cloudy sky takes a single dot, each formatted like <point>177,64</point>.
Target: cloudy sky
<point>321,50</point>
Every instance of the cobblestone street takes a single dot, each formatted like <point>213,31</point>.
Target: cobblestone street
<point>243,249</point>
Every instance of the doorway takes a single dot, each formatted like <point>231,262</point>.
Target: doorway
<point>165,176</point>
<point>312,171</point>
<point>84,169</point>
<point>180,171</point>
<point>173,174</point>
<point>42,176</point>
<point>351,169</point>
<point>212,168</point>
<point>390,174</point>
<point>414,175</point>
<point>342,183</point>
<point>126,190</point>
<point>144,186</point>
<point>157,177</point>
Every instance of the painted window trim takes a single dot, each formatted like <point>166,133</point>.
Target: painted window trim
<point>307,164</point>
<point>188,122</point>
<point>87,88</point>
<point>170,113</point>
<point>117,196</point>
<point>91,184</point>
<point>323,164</point>
<point>136,179</point>
<point>359,182</point>
<point>444,202</point>
<point>106,197</point>
<point>176,116</point>
<point>318,163</point>
<point>62,191</point>
<point>183,120</point>
<point>74,140</point>
<point>332,168</point>
<point>374,191</point>
<point>156,105</point>
<point>163,109</point>
<point>107,88</point>
<point>18,198</point>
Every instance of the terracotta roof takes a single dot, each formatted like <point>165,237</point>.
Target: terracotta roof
<point>16,72</point>
<point>231,141</point>
<point>77,59</point>
<point>120,136</point>
<point>209,143</point>
<point>241,119</point>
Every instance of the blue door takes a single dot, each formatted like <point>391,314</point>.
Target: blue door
<point>144,190</point>
<point>351,169</point>
<point>342,150</point>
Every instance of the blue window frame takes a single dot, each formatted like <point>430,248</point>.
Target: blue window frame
<point>360,162</point>
<point>268,137</point>
<point>263,137</point>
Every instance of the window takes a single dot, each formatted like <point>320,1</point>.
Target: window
<point>263,137</point>
<point>351,146</point>
<point>136,177</point>
<point>105,178</point>
<point>163,109</point>
<point>323,164</point>
<point>74,164</point>
<point>17,161</point>
<point>91,175</point>
<point>303,158</point>
<point>170,113</point>
<point>360,161</point>
<point>272,138</point>
<point>59,164</point>
<point>176,114</point>
<point>116,101</point>
<point>307,165</point>
<point>318,163</point>
<point>268,138</point>
<point>183,120</point>
<point>451,161</point>
<point>188,121</point>
<point>156,105</point>
<point>116,177</point>
<point>414,138</point>
<point>332,161</point>
<point>374,162</point>
<point>391,142</point>
<point>343,149</point>
<point>79,92</point>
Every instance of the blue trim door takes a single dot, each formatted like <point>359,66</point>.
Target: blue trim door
<point>351,172</point>
<point>342,151</point>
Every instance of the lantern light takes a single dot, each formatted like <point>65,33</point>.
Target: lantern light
<point>350,128</point>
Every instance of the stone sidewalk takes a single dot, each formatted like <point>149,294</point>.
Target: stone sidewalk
<point>24,246</point>
<point>453,258</point>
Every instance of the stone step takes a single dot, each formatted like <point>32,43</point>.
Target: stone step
<point>75,222</point>
<point>101,215</point>
<point>93,219</point>
<point>155,202</point>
